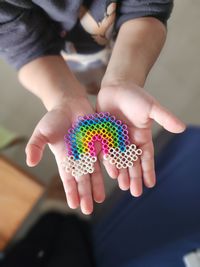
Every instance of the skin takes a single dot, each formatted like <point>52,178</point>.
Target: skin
<point>122,94</point>
<point>137,47</point>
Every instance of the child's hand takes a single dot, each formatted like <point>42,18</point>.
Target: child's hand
<point>51,130</point>
<point>135,107</point>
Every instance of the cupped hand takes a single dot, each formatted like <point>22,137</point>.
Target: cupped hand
<point>51,130</point>
<point>135,107</point>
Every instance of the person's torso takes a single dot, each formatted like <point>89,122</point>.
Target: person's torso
<point>90,21</point>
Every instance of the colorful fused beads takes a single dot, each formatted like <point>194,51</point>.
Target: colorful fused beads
<point>103,128</point>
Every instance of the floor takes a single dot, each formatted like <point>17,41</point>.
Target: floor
<point>174,81</point>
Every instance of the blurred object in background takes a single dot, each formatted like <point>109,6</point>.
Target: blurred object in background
<point>19,193</point>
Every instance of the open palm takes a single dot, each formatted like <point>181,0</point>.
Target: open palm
<point>51,130</point>
<point>135,107</point>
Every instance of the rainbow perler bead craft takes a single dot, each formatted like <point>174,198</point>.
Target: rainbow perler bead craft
<point>98,127</point>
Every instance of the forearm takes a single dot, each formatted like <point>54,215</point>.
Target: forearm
<point>137,47</point>
<point>50,79</point>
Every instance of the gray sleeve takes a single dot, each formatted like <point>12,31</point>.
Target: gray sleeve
<point>26,34</point>
<point>131,9</point>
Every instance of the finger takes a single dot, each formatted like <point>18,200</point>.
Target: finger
<point>112,171</point>
<point>143,138</point>
<point>123,179</point>
<point>85,193</point>
<point>135,174</point>
<point>166,119</point>
<point>98,189</point>
<point>71,191</point>
<point>35,147</point>
<point>147,164</point>
<point>70,187</point>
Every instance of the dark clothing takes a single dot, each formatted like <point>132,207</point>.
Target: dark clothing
<point>163,225</point>
<point>56,240</point>
<point>33,28</point>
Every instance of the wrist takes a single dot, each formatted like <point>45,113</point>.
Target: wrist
<point>116,79</point>
<point>66,95</point>
<point>68,102</point>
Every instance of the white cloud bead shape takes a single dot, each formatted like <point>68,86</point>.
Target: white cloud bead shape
<point>123,159</point>
<point>79,167</point>
<point>115,157</point>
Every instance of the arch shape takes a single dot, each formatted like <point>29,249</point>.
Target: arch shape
<point>106,129</point>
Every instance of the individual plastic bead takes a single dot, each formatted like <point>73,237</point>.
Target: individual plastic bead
<point>105,151</point>
<point>112,161</point>
<point>139,151</point>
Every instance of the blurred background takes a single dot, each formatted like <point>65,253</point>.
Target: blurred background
<point>174,81</point>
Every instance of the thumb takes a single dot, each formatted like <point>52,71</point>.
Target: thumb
<point>166,119</point>
<point>35,147</point>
